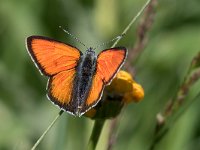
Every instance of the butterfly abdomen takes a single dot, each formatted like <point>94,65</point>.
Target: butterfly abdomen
<point>83,80</point>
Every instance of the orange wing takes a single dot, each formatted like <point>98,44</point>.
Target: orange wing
<point>60,88</point>
<point>95,93</point>
<point>50,56</point>
<point>109,62</point>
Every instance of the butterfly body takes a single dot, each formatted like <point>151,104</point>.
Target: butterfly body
<point>85,71</point>
<point>76,81</point>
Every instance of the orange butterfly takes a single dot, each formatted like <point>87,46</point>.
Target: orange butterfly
<point>76,81</point>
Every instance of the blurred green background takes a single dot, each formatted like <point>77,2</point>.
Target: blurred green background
<point>25,112</point>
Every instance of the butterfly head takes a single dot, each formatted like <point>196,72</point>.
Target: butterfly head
<point>90,51</point>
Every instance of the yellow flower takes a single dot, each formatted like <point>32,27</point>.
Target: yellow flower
<point>122,90</point>
<point>123,84</point>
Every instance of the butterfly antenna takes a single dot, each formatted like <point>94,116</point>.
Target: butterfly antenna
<point>116,38</point>
<point>74,37</point>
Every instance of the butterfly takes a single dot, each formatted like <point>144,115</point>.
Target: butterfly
<point>76,80</point>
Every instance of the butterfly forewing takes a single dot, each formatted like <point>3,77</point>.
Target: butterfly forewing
<point>51,56</point>
<point>109,62</point>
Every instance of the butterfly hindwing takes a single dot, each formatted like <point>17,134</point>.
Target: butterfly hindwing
<point>60,88</point>
<point>95,93</point>
<point>51,56</point>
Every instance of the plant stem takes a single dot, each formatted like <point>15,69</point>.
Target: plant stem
<point>113,133</point>
<point>46,131</point>
<point>171,121</point>
<point>175,108</point>
<point>96,132</point>
<point>132,21</point>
